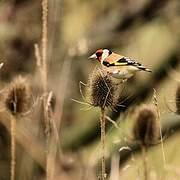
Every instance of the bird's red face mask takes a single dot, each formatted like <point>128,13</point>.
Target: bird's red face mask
<point>97,55</point>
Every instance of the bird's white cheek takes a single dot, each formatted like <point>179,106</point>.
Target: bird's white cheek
<point>105,55</point>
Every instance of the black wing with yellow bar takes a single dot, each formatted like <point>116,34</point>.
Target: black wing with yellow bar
<point>122,62</point>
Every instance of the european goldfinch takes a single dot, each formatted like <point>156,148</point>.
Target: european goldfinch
<point>118,66</point>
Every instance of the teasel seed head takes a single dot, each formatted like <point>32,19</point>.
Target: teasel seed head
<point>102,90</point>
<point>17,100</point>
<point>178,99</point>
<point>146,126</point>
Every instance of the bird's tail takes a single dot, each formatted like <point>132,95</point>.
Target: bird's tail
<point>144,68</point>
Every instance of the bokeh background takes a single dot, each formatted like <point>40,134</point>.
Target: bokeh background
<point>146,30</point>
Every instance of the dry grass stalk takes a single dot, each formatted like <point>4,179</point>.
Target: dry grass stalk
<point>37,55</point>
<point>44,80</point>
<point>52,138</point>
<point>47,109</point>
<point>155,100</point>
<point>41,61</point>
<point>44,41</point>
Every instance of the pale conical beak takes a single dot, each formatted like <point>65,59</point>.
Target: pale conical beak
<point>93,56</point>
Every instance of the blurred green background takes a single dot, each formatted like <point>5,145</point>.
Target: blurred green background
<point>146,30</point>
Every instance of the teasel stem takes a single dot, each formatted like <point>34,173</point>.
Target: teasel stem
<point>145,163</point>
<point>103,93</point>
<point>13,147</point>
<point>17,101</point>
<point>103,167</point>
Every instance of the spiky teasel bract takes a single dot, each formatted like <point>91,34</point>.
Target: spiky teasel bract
<point>17,100</point>
<point>146,126</point>
<point>178,99</point>
<point>102,89</point>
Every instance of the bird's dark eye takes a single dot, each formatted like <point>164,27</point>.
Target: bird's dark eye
<point>98,54</point>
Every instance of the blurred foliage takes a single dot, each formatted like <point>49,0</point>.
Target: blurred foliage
<point>147,30</point>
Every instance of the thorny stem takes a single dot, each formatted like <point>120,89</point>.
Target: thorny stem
<point>103,168</point>
<point>13,139</point>
<point>13,147</point>
<point>144,154</point>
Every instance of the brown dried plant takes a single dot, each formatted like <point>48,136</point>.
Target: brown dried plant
<point>17,102</point>
<point>146,131</point>
<point>102,92</point>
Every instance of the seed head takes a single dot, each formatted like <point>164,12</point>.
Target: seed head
<point>18,96</point>
<point>146,127</point>
<point>102,89</point>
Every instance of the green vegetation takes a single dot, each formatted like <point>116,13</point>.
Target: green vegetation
<point>53,97</point>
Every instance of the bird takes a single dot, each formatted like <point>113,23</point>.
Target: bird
<point>118,66</point>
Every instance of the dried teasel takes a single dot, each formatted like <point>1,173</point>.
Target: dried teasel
<point>178,99</point>
<point>146,126</point>
<point>17,100</point>
<point>102,89</point>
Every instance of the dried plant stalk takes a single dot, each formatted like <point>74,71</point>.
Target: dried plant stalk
<point>103,134</point>
<point>102,92</point>
<point>146,132</point>
<point>44,41</point>
<point>146,126</point>
<point>13,147</point>
<point>17,101</point>
<point>144,154</point>
<point>44,79</point>
<point>37,55</point>
<point>160,128</point>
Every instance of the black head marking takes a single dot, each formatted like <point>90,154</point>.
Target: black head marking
<point>98,54</point>
<point>110,52</point>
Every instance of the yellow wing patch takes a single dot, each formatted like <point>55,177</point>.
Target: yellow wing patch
<point>120,63</point>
